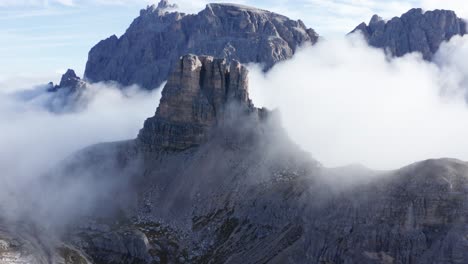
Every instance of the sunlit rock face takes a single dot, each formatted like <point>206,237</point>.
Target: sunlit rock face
<point>195,99</point>
<point>414,31</point>
<point>155,40</point>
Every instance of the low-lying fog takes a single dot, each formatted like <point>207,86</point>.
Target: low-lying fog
<point>346,102</point>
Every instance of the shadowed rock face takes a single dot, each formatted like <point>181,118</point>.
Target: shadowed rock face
<point>155,41</point>
<point>414,31</point>
<point>195,99</point>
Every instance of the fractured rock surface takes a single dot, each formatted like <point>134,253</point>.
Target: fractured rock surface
<point>195,99</point>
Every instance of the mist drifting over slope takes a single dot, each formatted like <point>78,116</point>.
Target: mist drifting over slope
<point>346,102</point>
<point>33,141</point>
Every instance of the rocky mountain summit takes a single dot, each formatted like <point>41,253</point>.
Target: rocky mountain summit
<point>67,95</point>
<point>414,31</point>
<point>69,81</point>
<point>156,40</point>
<point>196,97</point>
<point>212,179</point>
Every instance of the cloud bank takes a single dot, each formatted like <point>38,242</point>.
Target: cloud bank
<point>33,141</point>
<point>345,102</point>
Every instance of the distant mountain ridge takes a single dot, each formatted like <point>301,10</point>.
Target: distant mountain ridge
<point>156,40</point>
<point>414,31</point>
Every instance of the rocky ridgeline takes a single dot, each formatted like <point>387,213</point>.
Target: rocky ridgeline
<point>195,99</point>
<point>414,31</point>
<point>155,40</point>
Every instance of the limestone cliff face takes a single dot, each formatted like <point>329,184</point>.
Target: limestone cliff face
<point>414,31</point>
<point>155,41</point>
<point>195,99</point>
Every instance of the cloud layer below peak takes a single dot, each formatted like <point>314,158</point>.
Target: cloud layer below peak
<point>345,103</point>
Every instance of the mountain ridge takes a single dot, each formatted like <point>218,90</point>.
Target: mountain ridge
<point>156,39</point>
<point>414,31</point>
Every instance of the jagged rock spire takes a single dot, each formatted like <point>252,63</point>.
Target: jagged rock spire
<point>69,79</point>
<point>194,100</point>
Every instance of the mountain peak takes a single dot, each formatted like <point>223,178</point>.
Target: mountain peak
<point>229,31</point>
<point>196,98</point>
<point>66,96</point>
<point>375,19</point>
<point>69,78</point>
<point>164,4</point>
<point>414,31</point>
<point>69,81</point>
<point>160,9</point>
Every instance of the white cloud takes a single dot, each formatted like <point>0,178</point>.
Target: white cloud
<point>33,141</point>
<point>347,103</point>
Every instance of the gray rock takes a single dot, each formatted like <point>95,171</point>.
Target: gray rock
<point>70,82</point>
<point>414,31</point>
<point>68,96</point>
<point>194,100</point>
<point>155,41</point>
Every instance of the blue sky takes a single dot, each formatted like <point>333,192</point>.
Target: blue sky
<point>39,39</point>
